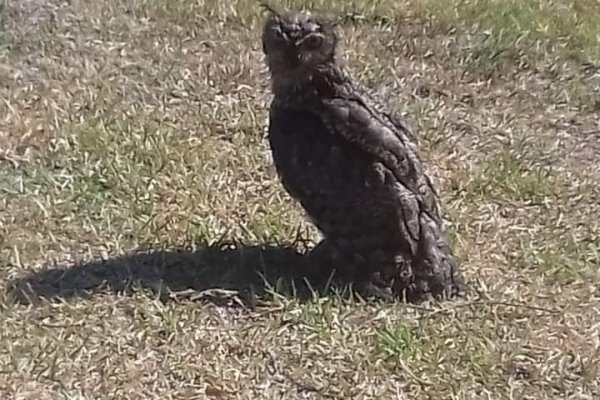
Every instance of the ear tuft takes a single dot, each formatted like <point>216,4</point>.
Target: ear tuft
<point>270,9</point>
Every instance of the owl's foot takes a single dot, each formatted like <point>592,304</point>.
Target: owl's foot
<point>375,288</point>
<point>381,275</point>
<point>402,278</point>
<point>441,282</point>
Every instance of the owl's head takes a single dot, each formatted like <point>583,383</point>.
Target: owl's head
<point>296,42</point>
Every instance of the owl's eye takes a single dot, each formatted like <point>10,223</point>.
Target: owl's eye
<point>278,34</point>
<point>312,42</point>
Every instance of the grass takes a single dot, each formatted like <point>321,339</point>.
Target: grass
<point>148,250</point>
<point>569,262</point>
<point>399,341</point>
<point>505,176</point>
<point>527,32</point>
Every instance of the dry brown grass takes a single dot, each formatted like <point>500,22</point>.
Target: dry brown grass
<point>130,130</point>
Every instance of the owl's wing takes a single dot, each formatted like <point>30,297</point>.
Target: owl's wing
<point>390,144</point>
<point>404,131</point>
<point>389,115</point>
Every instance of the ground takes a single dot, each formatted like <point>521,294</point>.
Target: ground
<point>138,199</point>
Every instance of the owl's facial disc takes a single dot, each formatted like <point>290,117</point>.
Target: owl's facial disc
<point>297,33</point>
<point>297,41</point>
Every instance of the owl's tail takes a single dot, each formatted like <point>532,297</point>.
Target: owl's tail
<point>435,268</point>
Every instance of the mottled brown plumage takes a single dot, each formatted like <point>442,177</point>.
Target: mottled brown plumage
<point>352,165</point>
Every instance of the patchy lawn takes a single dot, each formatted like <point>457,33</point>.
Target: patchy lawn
<point>147,249</point>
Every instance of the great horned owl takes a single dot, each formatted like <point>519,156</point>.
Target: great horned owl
<point>352,165</point>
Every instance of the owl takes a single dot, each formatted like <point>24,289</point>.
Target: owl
<point>353,166</point>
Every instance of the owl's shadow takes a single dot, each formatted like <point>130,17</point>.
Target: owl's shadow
<point>220,273</point>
